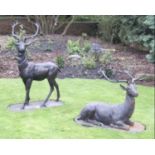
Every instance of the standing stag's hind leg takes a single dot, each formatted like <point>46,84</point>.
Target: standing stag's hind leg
<point>48,96</point>
<point>27,84</point>
<point>57,89</point>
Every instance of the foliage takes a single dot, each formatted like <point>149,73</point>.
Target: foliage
<point>105,58</point>
<point>89,62</point>
<point>130,30</point>
<point>60,61</point>
<point>139,30</point>
<point>85,47</point>
<point>109,27</point>
<point>75,47</point>
<point>10,44</point>
<point>84,36</point>
<point>57,122</point>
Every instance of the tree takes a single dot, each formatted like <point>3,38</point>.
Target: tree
<point>51,23</point>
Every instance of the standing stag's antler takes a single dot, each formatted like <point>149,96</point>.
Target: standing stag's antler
<point>35,34</point>
<point>13,31</point>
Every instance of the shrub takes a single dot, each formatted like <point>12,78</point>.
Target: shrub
<point>105,58</point>
<point>129,30</point>
<point>85,48</point>
<point>89,62</point>
<point>84,36</point>
<point>60,61</point>
<point>74,47</point>
<point>109,27</point>
<point>10,44</point>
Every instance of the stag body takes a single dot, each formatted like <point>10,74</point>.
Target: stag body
<point>117,116</point>
<point>30,71</point>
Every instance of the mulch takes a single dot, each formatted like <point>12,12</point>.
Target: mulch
<point>123,58</point>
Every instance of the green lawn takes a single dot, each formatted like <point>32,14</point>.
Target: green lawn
<point>58,122</point>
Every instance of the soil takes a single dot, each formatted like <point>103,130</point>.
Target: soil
<point>48,47</point>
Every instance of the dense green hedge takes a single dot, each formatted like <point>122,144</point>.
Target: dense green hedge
<point>129,30</point>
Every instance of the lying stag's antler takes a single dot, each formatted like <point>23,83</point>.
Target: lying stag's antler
<point>132,78</point>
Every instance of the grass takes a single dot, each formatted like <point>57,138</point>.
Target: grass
<point>58,122</point>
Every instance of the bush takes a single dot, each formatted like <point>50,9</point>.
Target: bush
<point>74,47</point>
<point>60,61</point>
<point>89,62</point>
<point>10,44</point>
<point>109,27</point>
<point>130,30</point>
<point>139,30</point>
<point>85,48</point>
<point>105,58</point>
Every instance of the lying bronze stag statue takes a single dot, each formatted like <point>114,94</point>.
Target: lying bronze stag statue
<point>108,115</point>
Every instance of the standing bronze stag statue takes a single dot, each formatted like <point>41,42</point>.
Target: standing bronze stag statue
<point>30,71</point>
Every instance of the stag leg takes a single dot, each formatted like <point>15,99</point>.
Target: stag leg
<point>120,125</point>
<point>48,96</point>
<point>96,123</point>
<point>128,122</point>
<point>28,84</point>
<point>57,89</point>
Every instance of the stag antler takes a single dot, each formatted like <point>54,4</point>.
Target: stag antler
<point>104,74</point>
<point>13,31</point>
<point>35,34</point>
<point>133,79</point>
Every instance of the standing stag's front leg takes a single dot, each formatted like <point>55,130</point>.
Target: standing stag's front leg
<point>48,96</point>
<point>27,84</point>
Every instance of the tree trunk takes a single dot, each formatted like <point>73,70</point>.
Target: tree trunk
<point>67,26</point>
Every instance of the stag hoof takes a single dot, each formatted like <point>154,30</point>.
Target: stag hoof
<point>43,105</point>
<point>100,124</point>
<point>23,107</point>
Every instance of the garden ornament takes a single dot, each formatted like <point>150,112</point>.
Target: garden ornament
<point>116,116</point>
<point>30,71</point>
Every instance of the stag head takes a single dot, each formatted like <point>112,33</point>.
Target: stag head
<point>131,88</point>
<point>23,42</point>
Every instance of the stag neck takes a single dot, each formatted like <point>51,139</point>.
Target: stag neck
<point>129,100</point>
<point>128,106</point>
<point>22,61</point>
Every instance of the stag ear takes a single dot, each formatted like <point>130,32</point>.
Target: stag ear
<point>123,87</point>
